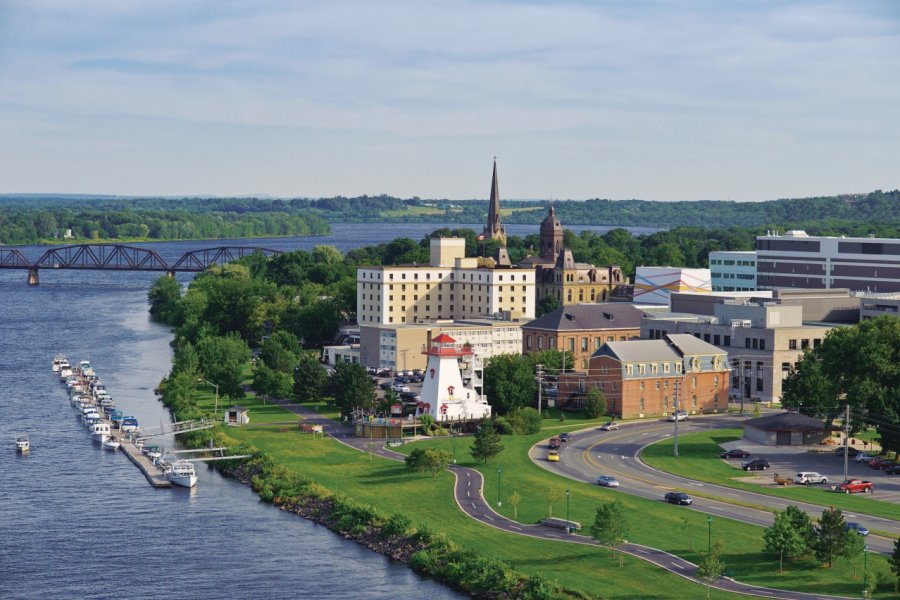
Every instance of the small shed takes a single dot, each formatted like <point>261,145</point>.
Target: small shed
<point>237,415</point>
<point>785,429</point>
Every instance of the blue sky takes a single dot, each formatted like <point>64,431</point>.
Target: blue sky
<point>635,99</point>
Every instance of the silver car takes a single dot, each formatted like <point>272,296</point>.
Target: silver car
<point>609,426</point>
<point>607,481</point>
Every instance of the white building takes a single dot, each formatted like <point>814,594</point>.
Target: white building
<point>443,395</point>
<point>652,285</point>
<point>732,271</point>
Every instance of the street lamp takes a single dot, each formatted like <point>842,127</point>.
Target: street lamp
<point>499,471</point>
<point>709,542</point>
<point>568,522</point>
<point>453,435</point>
<point>865,571</point>
<point>216,412</point>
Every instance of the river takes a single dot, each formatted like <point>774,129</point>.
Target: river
<point>80,522</point>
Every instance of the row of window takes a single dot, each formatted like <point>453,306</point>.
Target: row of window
<point>731,262</point>
<point>585,342</point>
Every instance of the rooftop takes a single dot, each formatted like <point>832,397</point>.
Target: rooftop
<point>582,317</point>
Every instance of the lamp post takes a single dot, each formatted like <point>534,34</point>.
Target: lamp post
<point>709,537</point>
<point>865,571</point>
<point>453,435</point>
<point>499,471</point>
<point>568,523</point>
<point>216,412</point>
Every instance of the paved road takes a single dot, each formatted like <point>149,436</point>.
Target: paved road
<point>469,497</point>
<point>617,453</point>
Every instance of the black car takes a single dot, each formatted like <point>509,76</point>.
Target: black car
<point>678,498</point>
<point>736,453</point>
<point>851,451</point>
<point>757,464</point>
<point>565,437</point>
<point>892,469</point>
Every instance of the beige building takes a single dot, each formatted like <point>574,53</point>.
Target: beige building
<point>400,347</point>
<point>450,288</point>
<point>763,339</point>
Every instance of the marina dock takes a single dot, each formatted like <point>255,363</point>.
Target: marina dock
<point>151,472</point>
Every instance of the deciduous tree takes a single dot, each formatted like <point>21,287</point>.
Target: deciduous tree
<point>782,538</point>
<point>711,566</point>
<point>610,526</point>
<point>831,536</point>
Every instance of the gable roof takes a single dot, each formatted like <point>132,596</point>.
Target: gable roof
<point>640,351</point>
<point>580,317</point>
<point>688,344</point>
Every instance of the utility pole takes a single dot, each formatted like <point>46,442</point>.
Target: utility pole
<point>846,438</point>
<point>676,419</point>
<point>741,380</point>
<point>540,382</point>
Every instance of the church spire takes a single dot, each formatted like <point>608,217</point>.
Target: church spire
<point>494,229</point>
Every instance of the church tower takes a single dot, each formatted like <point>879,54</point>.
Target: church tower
<point>494,230</point>
<point>551,237</point>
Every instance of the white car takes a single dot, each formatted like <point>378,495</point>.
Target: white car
<point>810,477</point>
<point>609,426</point>
<point>680,415</point>
<point>399,387</point>
<point>864,457</point>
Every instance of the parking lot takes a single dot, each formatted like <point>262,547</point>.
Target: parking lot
<point>790,460</point>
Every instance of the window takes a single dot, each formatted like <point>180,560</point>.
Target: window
<point>572,344</point>
<point>693,383</point>
<point>747,342</point>
<point>666,403</point>
<point>540,342</point>
<point>785,370</point>
<point>762,344</point>
<point>642,386</point>
<point>629,369</point>
<point>694,401</point>
<point>755,344</point>
<point>665,367</point>
<point>584,344</point>
<point>642,404</point>
<point>716,380</point>
<point>528,341</point>
<point>597,343</point>
<point>759,377</point>
<point>804,344</point>
<point>792,344</point>
<point>727,340</point>
<point>716,339</point>
<point>581,387</point>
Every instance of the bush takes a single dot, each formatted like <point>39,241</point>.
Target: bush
<point>503,426</point>
<point>525,421</point>
<point>594,404</point>
<point>396,526</point>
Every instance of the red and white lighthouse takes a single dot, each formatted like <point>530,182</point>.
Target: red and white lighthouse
<point>443,394</point>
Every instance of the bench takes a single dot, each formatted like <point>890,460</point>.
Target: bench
<point>558,523</point>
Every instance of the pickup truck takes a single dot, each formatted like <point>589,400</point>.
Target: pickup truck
<point>853,486</point>
<point>555,443</point>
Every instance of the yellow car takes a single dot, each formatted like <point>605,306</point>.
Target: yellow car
<point>553,456</point>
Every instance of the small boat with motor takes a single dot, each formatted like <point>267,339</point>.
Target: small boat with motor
<point>129,424</point>
<point>22,443</point>
<point>84,367</point>
<point>58,360</point>
<point>111,444</point>
<point>181,473</point>
<point>152,452</point>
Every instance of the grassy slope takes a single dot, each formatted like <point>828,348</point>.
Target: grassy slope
<point>385,484</point>
<point>699,459</point>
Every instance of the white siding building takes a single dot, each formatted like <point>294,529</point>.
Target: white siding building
<point>732,271</point>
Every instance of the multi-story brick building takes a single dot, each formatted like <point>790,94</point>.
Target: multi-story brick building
<point>645,378</point>
<point>581,329</point>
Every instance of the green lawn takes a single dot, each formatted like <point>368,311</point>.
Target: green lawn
<point>699,459</point>
<point>585,572</point>
<point>674,529</point>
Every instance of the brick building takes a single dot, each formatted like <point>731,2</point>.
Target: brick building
<point>645,378</point>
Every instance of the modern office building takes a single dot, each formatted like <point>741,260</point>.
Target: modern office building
<point>795,259</point>
<point>764,339</point>
<point>732,271</point>
<point>876,305</point>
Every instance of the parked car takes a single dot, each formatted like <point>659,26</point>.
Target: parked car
<point>851,451</point>
<point>555,443</point>
<point>609,426</point>
<point>880,463</point>
<point>553,455</point>
<point>864,457</point>
<point>680,415</point>
<point>607,481</point>
<point>893,469</point>
<point>736,453</point>
<point>678,498</point>
<point>857,527</point>
<point>565,437</point>
<point>810,477</point>
<point>399,387</point>
<point>755,464</point>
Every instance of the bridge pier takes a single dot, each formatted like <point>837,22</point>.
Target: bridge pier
<point>170,273</point>
<point>33,277</point>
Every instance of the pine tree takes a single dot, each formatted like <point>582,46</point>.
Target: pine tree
<point>487,442</point>
<point>831,536</point>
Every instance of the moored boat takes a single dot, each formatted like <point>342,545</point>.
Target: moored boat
<point>112,444</point>
<point>85,368</point>
<point>58,360</point>
<point>129,424</point>
<point>22,443</point>
<point>181,473</point>
<point>100,432</point>
<point>152,452</point>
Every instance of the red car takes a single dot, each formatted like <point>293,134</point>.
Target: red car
<point>880,463</point>
<point>736,453</point>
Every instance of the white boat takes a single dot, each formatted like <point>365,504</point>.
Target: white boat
<point>112,444</point>
<point>58,360</point>
<point>100,432</point>
<point>22,443</point>
<point>85,368</point>
<point>181,473</point>
<point>129,424</point>
<point>65,371</point>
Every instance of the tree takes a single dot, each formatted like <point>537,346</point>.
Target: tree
<point>509,382</point>
<point>783,538</point>
<point>164,297</point>
<point>894,561</point>
<point>610,526</point>
<point>310,378</point>
<point>854,549</point>
<point>350,388</point>
<point>270,383</point>
<point>594,404</point>
<point>711,566</point>
<point>515,499</point>
<point>831,536</point>
<point>553,494</point>
<point>525,421</point>
<point>545,305</point>
<point>221,360</point>
<point>487,442</point>
<point>428,459</point>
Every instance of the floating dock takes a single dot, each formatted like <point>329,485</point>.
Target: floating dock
<point>153,473</point>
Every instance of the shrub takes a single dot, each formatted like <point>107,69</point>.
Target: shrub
<point>525,421</point>
<point>595,404</point>
<point>503,426</point>
<point>396,526</point>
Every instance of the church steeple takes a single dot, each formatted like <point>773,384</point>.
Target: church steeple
<point>494,229</point>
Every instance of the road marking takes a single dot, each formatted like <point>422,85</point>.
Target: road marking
<point>516,528</point>
<point>473,505</point>
<point>677,566</point>
<point>489,517</point>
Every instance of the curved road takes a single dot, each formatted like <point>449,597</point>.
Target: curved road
<point>617,453</point>
<point>469,497</point>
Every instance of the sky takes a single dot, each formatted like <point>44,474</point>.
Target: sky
<point>669,100</point>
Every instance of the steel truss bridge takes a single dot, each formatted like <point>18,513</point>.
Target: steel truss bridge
<point>117,257</point>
